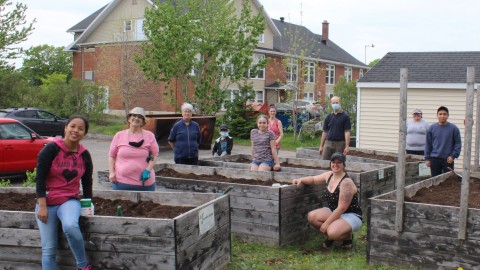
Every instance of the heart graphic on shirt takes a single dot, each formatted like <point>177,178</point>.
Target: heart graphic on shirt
<point>69,175</point>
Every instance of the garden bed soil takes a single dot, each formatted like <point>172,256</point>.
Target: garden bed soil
<point>448,193</point>
<point>103,207</point>
<point>379,157</point>
<point>216,178</point>
<point>284,164</point>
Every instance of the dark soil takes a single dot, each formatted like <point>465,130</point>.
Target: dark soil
<point>103,207</point>
<point>448,193</point>
<point>216,178</point>
<point>284,164</point>
<point>380,157</point>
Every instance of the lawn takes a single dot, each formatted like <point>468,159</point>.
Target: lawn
<point>289,143</point>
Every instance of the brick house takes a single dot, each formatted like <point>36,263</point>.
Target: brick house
<point>106,41</point>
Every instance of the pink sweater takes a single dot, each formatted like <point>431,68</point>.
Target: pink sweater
<point>131,161</point>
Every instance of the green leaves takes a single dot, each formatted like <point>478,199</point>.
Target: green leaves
<point>202,47</point>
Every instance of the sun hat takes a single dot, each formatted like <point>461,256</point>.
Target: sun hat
<point>137,110</point>
<point>417,111</point>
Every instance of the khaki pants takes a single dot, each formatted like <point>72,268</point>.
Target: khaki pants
<point>331,147</point>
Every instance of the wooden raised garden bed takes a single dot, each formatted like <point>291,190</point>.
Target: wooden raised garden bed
<point>259,212</point>
<point>371,179</point>
<point>197,239</point>
<point>430,231</point>
<point>414,167</point>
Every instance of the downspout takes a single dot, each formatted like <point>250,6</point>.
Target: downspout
<point>83,62</point>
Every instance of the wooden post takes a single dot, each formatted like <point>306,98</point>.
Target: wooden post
<point>400,168</point>
<point>476,162</point>
<point>467,156</point>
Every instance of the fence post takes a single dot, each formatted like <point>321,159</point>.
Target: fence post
<point>400,168</point>
<point>467,155</point>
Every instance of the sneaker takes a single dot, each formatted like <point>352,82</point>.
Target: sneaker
<point>89,267</point>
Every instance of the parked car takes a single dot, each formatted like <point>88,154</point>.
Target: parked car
<point>314,109</point>
<point>41,121</point>
<point>19,148</point>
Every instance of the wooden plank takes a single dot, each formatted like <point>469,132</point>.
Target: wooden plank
<point>128,226</point>
<point>295,232</point>
<point>294,191</point>
<point>217,243</point>
<point>18,219</point>
<point>254,204</point>
<point>255,229</point>
<point>252,216</point>
<point>20,266</point>
<point>297,214</point>
<point>246,237</point>
<point>299,201</point>
<point>20,237</point>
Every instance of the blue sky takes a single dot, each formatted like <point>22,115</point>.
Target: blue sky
<point>392,26</point>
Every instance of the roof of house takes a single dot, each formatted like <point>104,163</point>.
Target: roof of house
<point>424,67</point>
<point>296,38</point>
<point>88,25</point>
<point>81,26</point>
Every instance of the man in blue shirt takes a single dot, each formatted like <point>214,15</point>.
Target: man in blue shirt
<point>443,144</point>
<point>336,131</point>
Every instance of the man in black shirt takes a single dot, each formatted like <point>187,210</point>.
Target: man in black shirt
<point>336,131</point>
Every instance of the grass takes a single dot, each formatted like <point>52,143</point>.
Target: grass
<point>288,141</point>
<point>107,129</point>
<point>307,256</point>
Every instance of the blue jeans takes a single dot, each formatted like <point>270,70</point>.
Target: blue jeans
<point>121,186</point>
<point>68,213</point>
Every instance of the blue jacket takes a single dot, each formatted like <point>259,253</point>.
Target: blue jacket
<point>186,139</point>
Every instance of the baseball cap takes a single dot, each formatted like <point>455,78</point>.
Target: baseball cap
<point>223,127</point>
<point>339,156</point>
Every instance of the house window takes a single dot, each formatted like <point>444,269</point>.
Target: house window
<point>258,96</point>
<point>308,96</point>
<point>309,72</point>
<point>330,74</point>
<point>127,26</point>
<point>88,75</point>
<point>231,95</point>
<point>292,70</point>
<point>361,73</point>
<point>261,38</point>
<point>261,71</point>
<point>348,74</point>
<point>140,35</point>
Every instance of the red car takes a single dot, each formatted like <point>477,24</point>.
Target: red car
<point>19,148</point>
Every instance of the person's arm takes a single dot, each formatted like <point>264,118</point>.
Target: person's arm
<point>229,145</point>
<point>457,145</point>
<point>87,178</point>
<point>273,147</point>
<point>347,142</point>
<point>347,190</point>
<point>428,146</point>
<point>322,141</point>
<point>215,147</point>
<point>171,136</point>
<point>280,129</point>
<point>111,170</point>
<point>312,180</point>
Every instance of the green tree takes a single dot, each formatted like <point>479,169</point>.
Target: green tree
<point>347,92</point>
<point>198,45</point>
<point>43,60</point>
<point>15,91</point>
<point>239,115</point>
<point>374,62</point>
<point>72,97</point>
<point>14,29</point>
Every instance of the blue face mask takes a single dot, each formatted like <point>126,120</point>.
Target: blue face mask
<point>336,106</point>
<point>224,133</point>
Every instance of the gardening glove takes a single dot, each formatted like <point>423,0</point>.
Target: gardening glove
<point>145,176</point>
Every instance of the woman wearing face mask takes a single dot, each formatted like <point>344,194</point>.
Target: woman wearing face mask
<point>224,144</point>
<point>132,155</point>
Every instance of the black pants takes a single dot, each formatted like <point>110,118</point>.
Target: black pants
<point>186,161</point>
<point>439,166</point>
<point>416,152</point>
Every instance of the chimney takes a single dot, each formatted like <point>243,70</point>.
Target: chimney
<point>282,19</point>
<point>324,32</point>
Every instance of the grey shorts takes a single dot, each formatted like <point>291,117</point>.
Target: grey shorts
<point>353,219</point>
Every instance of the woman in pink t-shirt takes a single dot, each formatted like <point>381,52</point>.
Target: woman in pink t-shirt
<point>275,126</point>
<point>132,155</point>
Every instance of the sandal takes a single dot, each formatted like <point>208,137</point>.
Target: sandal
<point>347,244</point>
<point>327,243</point>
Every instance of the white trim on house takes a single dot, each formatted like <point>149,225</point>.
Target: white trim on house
<point>415,85</point>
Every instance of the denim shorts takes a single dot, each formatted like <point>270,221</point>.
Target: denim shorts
<point>266,163</point>
<point>353,219</point>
